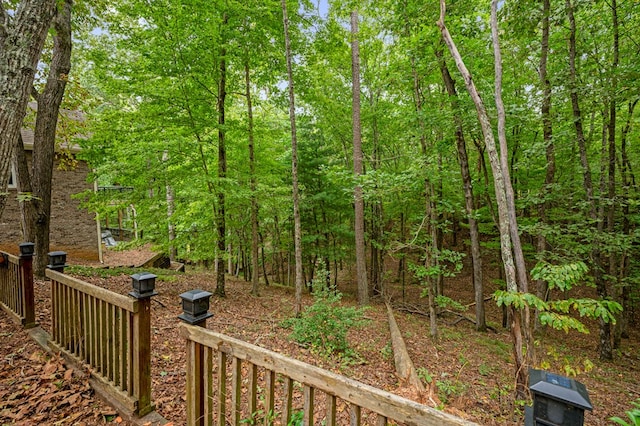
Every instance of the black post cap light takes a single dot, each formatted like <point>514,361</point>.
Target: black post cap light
<point>143,284</point>
<point>57,261</point>
<point>195,306</point>
<point>557,400</point>
<point>27,249</point>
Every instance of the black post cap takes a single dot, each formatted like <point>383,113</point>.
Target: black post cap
<point>27,249</point>
<point>195,306</point>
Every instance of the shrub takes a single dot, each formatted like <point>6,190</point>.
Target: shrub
<point>324,325</point>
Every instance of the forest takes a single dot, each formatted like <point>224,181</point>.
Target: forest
<point>383,143</point>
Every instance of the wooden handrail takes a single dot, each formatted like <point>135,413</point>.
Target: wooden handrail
<point>202,342</point>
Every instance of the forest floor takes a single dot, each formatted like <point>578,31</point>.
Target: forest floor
<point>473,371</point>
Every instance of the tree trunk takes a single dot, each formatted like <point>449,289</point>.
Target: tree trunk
<point>504,215</point>
<point>622,325</point>
<point>222,170</point>
<point>38,209</point>
<point>170,197</point>
<point>297,229</point>
<point>605,349</point>
<point>611,205</point>
<point>463,160</point>
<point>22,36</point>
<point>361,265</point>
<point>255,278</point>
<point>547,132</point>
<point>431,258</point>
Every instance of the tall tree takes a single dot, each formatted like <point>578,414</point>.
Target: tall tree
<point>463,160</point>
<point>297,228</point>
<point>606,351</point>
<point>22,36</point>
<point>361,262</point>
<point>222,165</point>
<point>547,136</point>
<point>37,208</point>
<point>252,178</point>
<point>501,197</point>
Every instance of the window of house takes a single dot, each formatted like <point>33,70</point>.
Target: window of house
<point>12,178</point>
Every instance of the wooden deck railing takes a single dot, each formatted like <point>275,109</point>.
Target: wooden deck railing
<point>108,332</point>
<point>16,288</point>
<point>233,382</point>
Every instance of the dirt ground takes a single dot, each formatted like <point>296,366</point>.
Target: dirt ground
<point>473,371</point>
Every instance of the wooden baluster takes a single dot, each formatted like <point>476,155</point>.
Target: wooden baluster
<point>308,405</point>
<point>331,410</point>
<point>355,413</point>
<point>208,386</point>
<point>222,388</point>
<point>253,389</point>
<point>269,402</point>
<point>288,400</point>
<point>236,389</point>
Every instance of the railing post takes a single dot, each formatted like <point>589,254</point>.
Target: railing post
<point>25,266</point>
<point>195,306</point>
<point>57,261</point>
<point>143,289</point>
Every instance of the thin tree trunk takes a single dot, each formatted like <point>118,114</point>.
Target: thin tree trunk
<point>463,160</point>
<point>22,36</point>
<point>605,349</point>
<point>547,132</point>
<point>255,278</point>
<point>521,268</point>
<point>361,265</point>
<point>297,229</point>
<point>622,325</point>
<point>222,170</point>
<point>431,258</point>
<point>170,197</point>
<point>501,198</point>
<point>611,205</point>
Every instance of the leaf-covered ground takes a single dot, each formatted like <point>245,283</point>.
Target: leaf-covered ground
<point>472,372</point>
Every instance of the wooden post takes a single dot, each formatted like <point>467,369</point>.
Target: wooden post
<point>143,289</point>
<point>195,305</point>
<point>25,266</point>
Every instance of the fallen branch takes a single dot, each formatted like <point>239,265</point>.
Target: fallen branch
<point>404,366</point>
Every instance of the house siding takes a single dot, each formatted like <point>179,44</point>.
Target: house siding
<point>72,229</point>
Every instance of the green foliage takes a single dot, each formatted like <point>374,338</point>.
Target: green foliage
<point>324,325</point>
<point>563,277</point>
<point>387,351</point>
<point>449,265</point>
<point>447,302</point>
<point>297,418</point>
<point>556,313</point>
<point>633,414</point>
<point>568,363</point>
<point>424,374</point>
<point>448,389</point>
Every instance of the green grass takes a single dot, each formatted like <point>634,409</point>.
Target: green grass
<point>88,271</point>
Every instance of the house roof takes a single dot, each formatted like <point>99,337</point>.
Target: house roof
<point>27,133</point>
